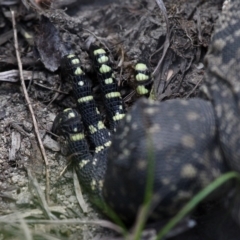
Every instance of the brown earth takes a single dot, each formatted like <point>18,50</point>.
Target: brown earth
<point>131,30</point>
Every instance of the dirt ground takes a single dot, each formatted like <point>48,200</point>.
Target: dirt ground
<point>131,30</point>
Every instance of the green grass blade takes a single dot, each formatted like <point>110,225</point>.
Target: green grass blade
<point>196,200</point>
<point>144,211</point>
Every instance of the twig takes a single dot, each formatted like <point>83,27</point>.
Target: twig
<point>78,192</point>
<point>166,45</point>
<point>167,40</point>
<point>192,91</point>
<point>29,104</point>
<point>102,223</point>
<point>40,196</point>
<point>25,228</point>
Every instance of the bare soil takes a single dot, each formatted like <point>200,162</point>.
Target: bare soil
<point>130,30</point>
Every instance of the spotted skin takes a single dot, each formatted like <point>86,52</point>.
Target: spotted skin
<point>189,142</point>
<point>223,84</point>
<point>109,87</point>
<point>81,87</point>
<point>142,78</point>
<point>69,124</point>
<point>185,152</point>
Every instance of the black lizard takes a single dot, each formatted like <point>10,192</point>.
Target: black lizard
<point>189,142</point>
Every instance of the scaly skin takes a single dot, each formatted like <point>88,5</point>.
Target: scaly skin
<point>189,143</point>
